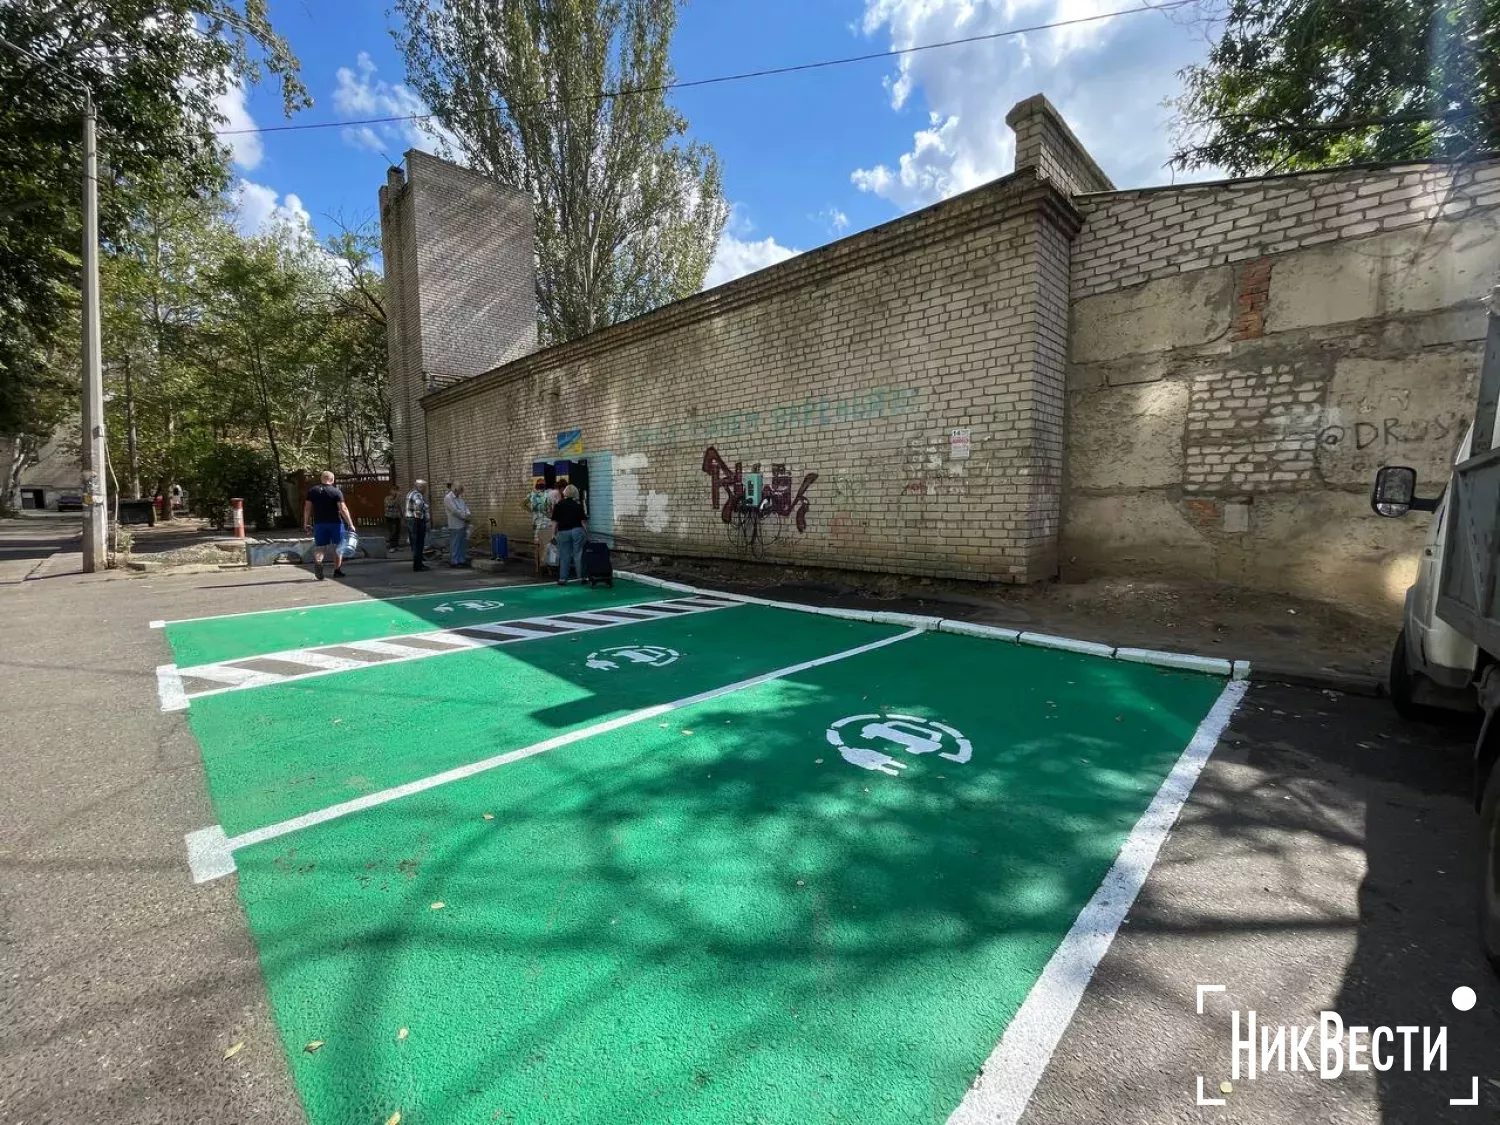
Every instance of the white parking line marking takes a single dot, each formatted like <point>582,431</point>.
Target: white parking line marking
<point>169,688</point>
<point>1010,1075</point>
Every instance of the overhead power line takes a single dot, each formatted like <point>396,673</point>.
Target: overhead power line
<point>766,72</point>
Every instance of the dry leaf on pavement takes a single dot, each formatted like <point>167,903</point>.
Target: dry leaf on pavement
<point>236,1049</point>
<point>312,1047</point>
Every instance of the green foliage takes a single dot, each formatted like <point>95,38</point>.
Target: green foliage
<point>1294,84</point>
<point>627,217</point>
<point>226,470</point>
<point>154,69</point>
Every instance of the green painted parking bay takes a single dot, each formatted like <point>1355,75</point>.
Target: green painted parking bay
<point>212,639</point>
<point>819,898</point>
<point>280,751</point>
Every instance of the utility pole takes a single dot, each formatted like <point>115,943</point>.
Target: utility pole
<point>94,496</point>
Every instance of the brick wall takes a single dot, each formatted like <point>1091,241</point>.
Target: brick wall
<point>405,383</point>
<point>1044,142</point>
<point>843,373</point>
<point>460,262</point>
<point>1135,236</point>
<point>1244,356</point>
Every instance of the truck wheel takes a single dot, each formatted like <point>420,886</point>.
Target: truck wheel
<point>1403,683</point>
<point>1489,868</point>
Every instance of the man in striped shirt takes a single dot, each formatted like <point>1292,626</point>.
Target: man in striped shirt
<point>416,523</point>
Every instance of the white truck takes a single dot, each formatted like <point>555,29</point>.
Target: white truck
<point>1448,652</point>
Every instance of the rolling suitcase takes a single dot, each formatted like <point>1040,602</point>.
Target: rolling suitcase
<point>597,566</point>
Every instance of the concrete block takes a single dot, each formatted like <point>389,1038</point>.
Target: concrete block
<point>1409,411</point>
<point>1183,311</point>
<point>1067,644</point>
<point>973,629</point>
<point>1410,270</point>
<point>1212,664</point>
<point>1127,437</point>
<point>1131,532</point>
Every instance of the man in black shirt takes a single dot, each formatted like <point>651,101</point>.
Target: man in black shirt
<point>325,514</point>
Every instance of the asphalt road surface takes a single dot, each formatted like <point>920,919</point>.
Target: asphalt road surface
<point>1324,862</point>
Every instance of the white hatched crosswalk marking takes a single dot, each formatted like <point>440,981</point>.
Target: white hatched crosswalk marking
<point>508,631</point>
<point>265,669</point>
<point>323,660</point>
<point>229,674</point>
<point>382,648</point>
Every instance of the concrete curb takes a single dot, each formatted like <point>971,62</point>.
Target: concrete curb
<point>1182,661</point>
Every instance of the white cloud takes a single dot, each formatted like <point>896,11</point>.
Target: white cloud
<point>835,219</point>
<point>359,93</point>
<point>260,208</point>
<point>735,257</point>
<point>1109,79</point>
<point>245,149</point>
<point>362,136</point>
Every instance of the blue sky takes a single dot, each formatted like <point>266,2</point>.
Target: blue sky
<point>807,157</point>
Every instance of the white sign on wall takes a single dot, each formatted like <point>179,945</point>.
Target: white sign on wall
<point>959,442</point>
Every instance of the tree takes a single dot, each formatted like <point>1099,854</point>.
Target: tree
<point>154,69</point>
<point>354,360</point>
<point>565,100</point>
<point>266,307</point>
<point>154,287</point>
<point>1294,84</point>
<point>42,393</point>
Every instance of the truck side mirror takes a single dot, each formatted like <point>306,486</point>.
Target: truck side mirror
<point>1395,490</point>
<point>1395,493</point>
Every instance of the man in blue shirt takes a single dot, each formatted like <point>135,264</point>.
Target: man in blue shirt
<point>325,514</point>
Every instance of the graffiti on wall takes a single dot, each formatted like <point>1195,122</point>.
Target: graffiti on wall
<point>789,418</point>
<point>1390,432</point>
<point>754,528</point>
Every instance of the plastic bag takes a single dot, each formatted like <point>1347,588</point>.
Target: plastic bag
<point>551,554</point>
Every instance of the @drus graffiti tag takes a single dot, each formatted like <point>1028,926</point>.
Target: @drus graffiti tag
<point>778,499</point>
<point>1329,1049</point>
<point>650,656</point>
<point>872,742</point>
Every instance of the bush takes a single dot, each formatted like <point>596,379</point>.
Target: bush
<point>231,469</point>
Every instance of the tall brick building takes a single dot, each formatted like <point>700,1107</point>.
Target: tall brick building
<point>1044,375</point>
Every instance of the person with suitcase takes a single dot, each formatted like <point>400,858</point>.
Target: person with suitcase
<point>570,531</point>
